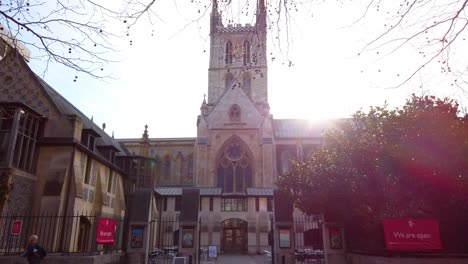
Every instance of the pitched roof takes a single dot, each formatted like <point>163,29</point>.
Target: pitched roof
<point>260,191</point>
<point>177,191</point>
<point>67,108</point>
<point>214,191</point>
<point>301,128</point>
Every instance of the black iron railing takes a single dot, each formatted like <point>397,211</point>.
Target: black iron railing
<point>74,234</point>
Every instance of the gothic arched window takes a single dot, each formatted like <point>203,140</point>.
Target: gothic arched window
<point>228,55</point>
<point>234,168</point>
<point>246,83</point>
<point>285,163</point>
<point>228,79</point>
<point>167,168</point>
<point>190,167</point>
<point>246,52</point>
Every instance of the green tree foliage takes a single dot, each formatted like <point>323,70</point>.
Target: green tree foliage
<point>405,162</point>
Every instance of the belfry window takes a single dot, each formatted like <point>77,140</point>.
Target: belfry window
<point>246,52</point>
<point>234,169</point>
<point>228,55</point>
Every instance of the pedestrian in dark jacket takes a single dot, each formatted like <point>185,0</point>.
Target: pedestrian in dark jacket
<point>34,253</point>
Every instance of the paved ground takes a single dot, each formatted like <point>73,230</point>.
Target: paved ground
<point>238,259</point>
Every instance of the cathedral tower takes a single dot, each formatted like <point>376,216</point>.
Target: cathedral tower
<point>238,57</point>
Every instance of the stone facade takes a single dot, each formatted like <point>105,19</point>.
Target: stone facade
<point>61,163</point>
<point>240,149</point>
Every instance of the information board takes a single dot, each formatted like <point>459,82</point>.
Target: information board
<point>212,252</point>
<point>178,260</point>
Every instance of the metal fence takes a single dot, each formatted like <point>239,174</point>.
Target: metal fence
<point>163,241</point>
<point>57,234</point>
<point>308,240</point>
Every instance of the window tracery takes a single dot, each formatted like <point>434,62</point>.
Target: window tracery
<point>234,169</point>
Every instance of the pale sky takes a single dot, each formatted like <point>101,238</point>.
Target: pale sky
<point>160,80</point>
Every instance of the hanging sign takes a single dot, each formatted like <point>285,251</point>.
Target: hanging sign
<point>105,233</point>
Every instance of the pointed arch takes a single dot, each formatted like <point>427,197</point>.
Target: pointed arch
<point>234,166</point>
<point>228,53</point>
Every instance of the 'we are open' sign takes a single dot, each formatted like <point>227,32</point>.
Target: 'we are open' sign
<point>412,234</point>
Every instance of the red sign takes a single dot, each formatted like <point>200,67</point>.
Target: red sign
<point>16,227</point>
<point>412,234</point>
<point>105,232</point>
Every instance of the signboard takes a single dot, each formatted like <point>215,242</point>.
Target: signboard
<point>412,234</point>
<point>105,233</point>
<point>336,239</point>
<point>136,237</point>
<point>284,238</point>
<point>16,227</point>
<point>212,252</point>
<point>187,237</point>
<point>178,260</point>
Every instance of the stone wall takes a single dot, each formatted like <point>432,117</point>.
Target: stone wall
<point>365,259</point>
<point>20,198</point>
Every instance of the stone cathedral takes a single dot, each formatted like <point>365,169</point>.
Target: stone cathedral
<point>240,149</point>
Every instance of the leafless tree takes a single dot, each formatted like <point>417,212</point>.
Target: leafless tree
<point>79,33</point>
<point>434,29</point>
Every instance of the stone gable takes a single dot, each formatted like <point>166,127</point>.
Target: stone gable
<point>17,84</point>
<point>221,118</point>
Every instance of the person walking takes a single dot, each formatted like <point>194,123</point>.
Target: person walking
<point>34,253</point>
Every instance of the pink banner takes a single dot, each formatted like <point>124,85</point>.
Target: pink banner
<point>412,234</point>
<point>105,232</point>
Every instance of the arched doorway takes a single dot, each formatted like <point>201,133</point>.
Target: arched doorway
<point>83,234</point>
<point>234,236</point>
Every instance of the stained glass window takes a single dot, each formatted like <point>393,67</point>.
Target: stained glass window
<point>234,169</point>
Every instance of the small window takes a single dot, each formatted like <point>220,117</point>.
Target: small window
<point>164,204</point>
<point>234,204</point>
<point>228,54</point>
<point>211,204</point>
<point>285,163</point>
<point>167,168</point>
<point>246,52</point>
<point>269,205</point>
<point>89,165</point>
<point>178,204</point>
<point>246,83</point>
<point>110,182</point>
<point>257,204</point>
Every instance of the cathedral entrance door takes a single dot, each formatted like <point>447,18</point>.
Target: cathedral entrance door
<point>234,236</point>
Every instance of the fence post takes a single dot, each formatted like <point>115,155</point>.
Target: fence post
<point>272,240</point>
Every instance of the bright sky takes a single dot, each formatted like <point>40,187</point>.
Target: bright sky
<point>160,80</point>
